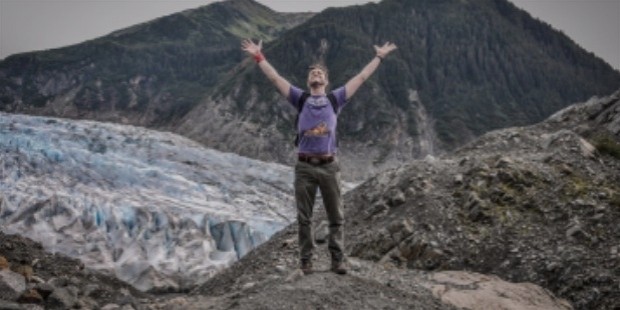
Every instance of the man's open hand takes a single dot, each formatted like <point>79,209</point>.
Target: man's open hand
<point>382,51</point>
<point>252,48</point>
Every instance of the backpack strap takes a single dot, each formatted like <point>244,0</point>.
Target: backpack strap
<point>300,106</point>
<point>300,103</point>
<point>334,102</point>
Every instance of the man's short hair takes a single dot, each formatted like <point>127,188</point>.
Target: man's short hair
<point>319,66</point>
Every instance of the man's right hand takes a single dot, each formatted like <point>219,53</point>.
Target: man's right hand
<point>252,48</point>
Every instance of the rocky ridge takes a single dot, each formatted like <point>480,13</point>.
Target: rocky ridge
<point>533,204</point>
<point>32,278</point>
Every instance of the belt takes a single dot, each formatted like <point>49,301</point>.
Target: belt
<point>316,159</point>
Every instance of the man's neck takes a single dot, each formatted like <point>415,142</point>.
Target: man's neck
<point>319,91</point>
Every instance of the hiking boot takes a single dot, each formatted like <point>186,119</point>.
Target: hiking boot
<point>338,267</point>
<point>306,266</point>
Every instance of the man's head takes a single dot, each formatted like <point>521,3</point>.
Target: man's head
<point>317,76</point>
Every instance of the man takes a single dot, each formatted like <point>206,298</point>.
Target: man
<point>316,166</point>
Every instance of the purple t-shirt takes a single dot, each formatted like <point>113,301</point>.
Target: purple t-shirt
<point>317,121</point>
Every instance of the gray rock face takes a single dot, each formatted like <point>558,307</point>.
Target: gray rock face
<point>59,282</point>
<point>536,204</point>
<point>11,285</point>
<point>63,298</point>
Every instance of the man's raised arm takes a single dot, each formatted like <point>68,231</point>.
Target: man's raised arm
<point>354,84</point>
<point>254,50</point>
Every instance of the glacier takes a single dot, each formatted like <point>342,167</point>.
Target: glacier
<point>155,209</point>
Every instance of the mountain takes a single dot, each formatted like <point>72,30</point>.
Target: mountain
<point>148,74</point>
<point>462,68</point>
<point>155,209</point>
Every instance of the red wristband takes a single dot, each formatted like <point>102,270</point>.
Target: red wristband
<point>259,57</point>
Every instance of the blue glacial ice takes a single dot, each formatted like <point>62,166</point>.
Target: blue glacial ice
<point>151,207</point>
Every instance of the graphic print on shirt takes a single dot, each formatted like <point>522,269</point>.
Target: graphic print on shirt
<point>320,130</point>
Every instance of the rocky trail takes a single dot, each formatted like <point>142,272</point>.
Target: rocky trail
<point>58,282</point>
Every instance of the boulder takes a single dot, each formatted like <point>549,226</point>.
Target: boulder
<point>467,290</point>
<point>62,298</point>
<point>4,264</point>
<point>12,285</point>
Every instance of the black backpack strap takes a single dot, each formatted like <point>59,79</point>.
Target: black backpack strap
<point>300,106</point>
<point>334,102</point>
<point>302,100</point>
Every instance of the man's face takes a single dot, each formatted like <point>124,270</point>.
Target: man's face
<point>317,78</point>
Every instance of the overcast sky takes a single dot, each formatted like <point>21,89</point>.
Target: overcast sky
<point>27,25</point>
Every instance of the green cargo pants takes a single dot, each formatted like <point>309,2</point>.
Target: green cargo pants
<point>309,178</point>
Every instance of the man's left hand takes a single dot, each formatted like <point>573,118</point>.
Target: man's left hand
<point>384,50</point>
